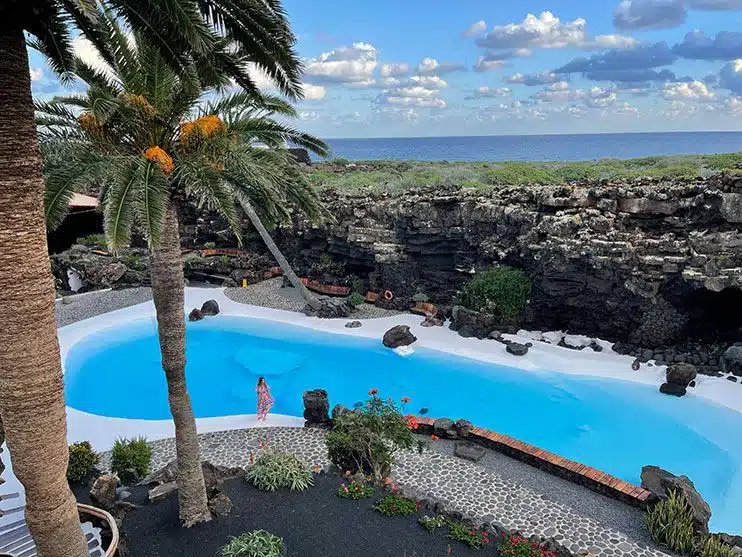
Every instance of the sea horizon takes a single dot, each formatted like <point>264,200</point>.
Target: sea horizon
<point>537,147</point>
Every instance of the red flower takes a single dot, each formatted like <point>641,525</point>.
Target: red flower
<point>405,399</point>
<point>434,437</point>
<point>373,392</point>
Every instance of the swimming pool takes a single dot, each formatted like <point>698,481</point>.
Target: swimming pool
<point>614,426</point>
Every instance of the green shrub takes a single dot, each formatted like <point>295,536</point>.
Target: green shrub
<point>670,523</point>
<point>94,241</point>
<point>365,440</point>
<point>224,260</point>
<point>395,505</point>
<point>356,299</point>
<point>358,286</point>
<point>513,545</point>
<point>275,470</point>
<point>209,245</point>
<point>420,297</point>
<point>135,454</point>
<point>502,290</point>
<point>82,460</point>
<point>714,547</point>
<point>432,523</point>
<point>473,537</point>
<point>325,259</point>
<point>355,490</point>
<point>134,262</point>
<point>257,543</point>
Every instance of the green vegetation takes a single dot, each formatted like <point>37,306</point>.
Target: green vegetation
<point>395,505</point>
<point>714,547</point>
<point>398,176</point>
<point>670,523</point>
<point>516,546</point>
<point>502,291</point>
<point>94,241</point>
<point>131,454</point>
<point>82,460</point>
<point>355,299</point>
<point>365,440</point>
<point>273,471</point>
<point>257,543</point>
<point>473,537</point>
<point>355,490</point>
<point>432,523</point>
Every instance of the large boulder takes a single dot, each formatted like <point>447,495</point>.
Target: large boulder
<point>469,323</point>
<point>210,307</point>
<point>329,309</point>
<point>672,389</point>
<point>661,483</point>
<point>517,349</point>
<point>213,476</point>
<point>681,374</point>
<point>397,336</point>
<point>195,315</point>
<point>445,428</point>
<point>316,407</point>
<point>731,361</point>
<point>103,492</point>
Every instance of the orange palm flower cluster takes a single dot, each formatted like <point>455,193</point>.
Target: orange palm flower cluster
<point>88,122</point>
<point>156,154</point>
<point>205,126</point>
<point>139,102</point>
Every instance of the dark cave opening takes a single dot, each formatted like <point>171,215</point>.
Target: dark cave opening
<point>713,316</point>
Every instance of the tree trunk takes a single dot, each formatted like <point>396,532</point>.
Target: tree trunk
<point>31,386</point>
<point>166,268</point>
<point>310,298</point>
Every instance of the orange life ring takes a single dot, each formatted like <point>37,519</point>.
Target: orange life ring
<point>388,295</point>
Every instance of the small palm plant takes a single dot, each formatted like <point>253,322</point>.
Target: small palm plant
<point>154,139</point>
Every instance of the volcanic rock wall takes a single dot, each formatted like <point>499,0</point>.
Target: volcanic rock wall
<point>648,262</point>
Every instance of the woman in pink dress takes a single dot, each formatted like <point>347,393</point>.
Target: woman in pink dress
<point>265,400</point>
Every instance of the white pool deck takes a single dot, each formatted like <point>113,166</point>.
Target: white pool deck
<point>103,431</point>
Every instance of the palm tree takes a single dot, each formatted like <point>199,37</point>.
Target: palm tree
<point>31,393</point>
<point>150,135</point>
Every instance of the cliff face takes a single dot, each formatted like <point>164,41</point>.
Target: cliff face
<point>650,263</point>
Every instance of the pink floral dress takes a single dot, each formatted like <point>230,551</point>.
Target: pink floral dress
<point>265,401</point>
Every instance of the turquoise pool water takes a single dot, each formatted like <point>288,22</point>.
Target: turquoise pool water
<point>611,425</point>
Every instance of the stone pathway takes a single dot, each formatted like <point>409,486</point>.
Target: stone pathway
<point>456,485</point>
<point>484,497</point>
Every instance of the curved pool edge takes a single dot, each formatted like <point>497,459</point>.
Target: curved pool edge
<point>541,357</point>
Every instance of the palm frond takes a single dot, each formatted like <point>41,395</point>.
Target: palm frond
<point>53,41</point>
<point>120,198</point>
<point>151,203</point>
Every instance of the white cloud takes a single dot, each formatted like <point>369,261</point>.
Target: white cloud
<point>313,92</point>
<point>428,81</point>
<point>484,64</point>
<point>309,116</point>
<point>626,109</point>
<point>392,70</point>
<point>85,51</point>
<point>559,91</point>
<point>397,113</point>
<point>542,78</point>
<point>476,28</point>
<point>546,31</point>
<point>598,97</point>
<point>616,42</point>
<point>431,66</point>
<point>493,92</point>
<point>693,91</point>
<point>347,65</point>
<point>37,74</point>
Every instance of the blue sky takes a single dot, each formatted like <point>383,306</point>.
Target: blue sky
<point>478,67</point>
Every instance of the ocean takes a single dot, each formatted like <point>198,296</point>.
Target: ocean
<point>537,147</point>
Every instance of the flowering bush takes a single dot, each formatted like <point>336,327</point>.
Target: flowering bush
<point>396,505</point>
<point>367,439</point>
<point>355,490</point>
<point>516,546</point>
<point>432,523</point>
<point>473,537</point>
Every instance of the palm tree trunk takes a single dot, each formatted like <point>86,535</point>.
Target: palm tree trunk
<point>166,268</point>
<point>310,298</point>
<point>31,387</point>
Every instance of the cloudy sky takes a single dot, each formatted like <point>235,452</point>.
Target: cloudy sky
<point>386,68</point>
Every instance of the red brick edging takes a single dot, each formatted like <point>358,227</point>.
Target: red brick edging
<point>550,462</point>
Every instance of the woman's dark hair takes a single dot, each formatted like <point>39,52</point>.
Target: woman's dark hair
<point>261,380</point>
